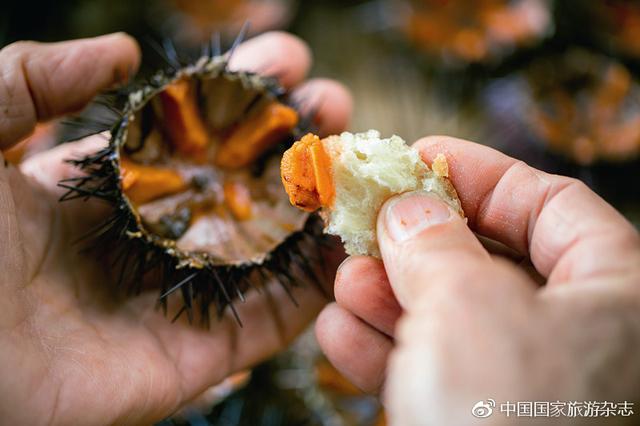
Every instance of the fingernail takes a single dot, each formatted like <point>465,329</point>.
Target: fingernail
<point>342,264</point>
<point>413,212</point>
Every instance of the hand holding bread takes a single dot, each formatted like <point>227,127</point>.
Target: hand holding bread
<point>440,323</point>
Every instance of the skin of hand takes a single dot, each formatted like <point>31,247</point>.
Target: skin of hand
<point>69,349</point>
<point>440,323</point>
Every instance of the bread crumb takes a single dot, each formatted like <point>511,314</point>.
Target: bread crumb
<point>440,166</point>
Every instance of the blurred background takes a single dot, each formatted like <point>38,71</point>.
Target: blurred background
<point>555,84</point>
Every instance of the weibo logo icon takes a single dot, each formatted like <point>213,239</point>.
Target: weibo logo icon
<point>483,409</point>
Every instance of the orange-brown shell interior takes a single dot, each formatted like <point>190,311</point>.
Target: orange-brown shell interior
<point>201,169</point>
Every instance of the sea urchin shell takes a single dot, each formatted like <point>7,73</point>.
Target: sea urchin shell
<point>192,173</point>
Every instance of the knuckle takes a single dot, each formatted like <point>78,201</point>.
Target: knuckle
<point>576,184</point>
<point>519,171</point>
<point>562,184</point>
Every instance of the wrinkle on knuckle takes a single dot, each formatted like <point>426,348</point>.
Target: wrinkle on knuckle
<point>487,209</point>
<point>573,219</point>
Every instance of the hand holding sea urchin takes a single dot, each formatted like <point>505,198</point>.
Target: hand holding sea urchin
<point>350,176</point>
<point>192,174</point>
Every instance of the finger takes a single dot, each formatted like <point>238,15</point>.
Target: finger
<point>356,349</point>
<point>275,54</point>
<point>50,167</point>
<point>40,81</point>
<point>330,103</point>
<point>362,288</point>
<point>47,169</point>
<point>425,245</point>
<point>558,221</point>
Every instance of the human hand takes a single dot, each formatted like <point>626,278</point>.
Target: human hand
<point>69,352</point>
<point>473,326</point>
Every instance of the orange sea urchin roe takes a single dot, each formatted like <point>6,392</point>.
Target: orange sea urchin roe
<point>238,199</point>
<point>142,184</point>
<point>306,174</point>
<point>256,135</point>
<point>183,123</point>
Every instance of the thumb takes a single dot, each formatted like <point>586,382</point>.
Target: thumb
<point>39,81</point>
<point>461,307</point>
<point>426,244</point>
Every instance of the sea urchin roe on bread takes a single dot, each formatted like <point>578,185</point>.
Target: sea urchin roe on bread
<point>256,135</point>
<point>364,171</point>
<point>306,174</point>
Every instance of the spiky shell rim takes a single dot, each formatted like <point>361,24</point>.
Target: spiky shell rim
<point>204,68</point>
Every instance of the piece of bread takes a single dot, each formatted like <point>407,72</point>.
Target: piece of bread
<point>350,176</point>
